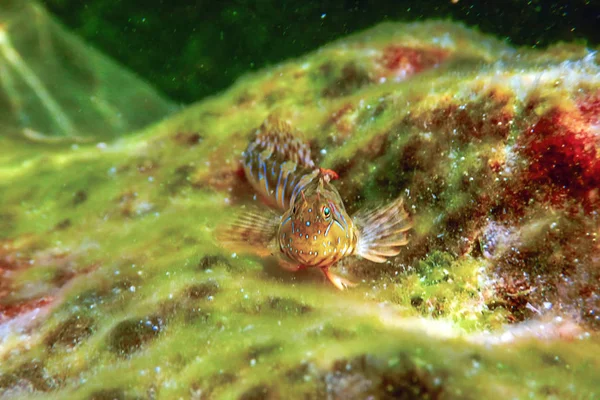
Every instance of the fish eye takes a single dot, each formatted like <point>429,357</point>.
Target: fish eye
<point>326,212</point>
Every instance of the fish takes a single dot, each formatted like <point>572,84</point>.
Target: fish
<point>307,225</point>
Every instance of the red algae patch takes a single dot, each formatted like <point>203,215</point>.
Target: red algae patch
<point>401,62</point>
<point>13,310</point>
<point>18,296</point>
<point>562,149</point>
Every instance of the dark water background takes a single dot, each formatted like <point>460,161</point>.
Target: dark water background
<point>191,49</point>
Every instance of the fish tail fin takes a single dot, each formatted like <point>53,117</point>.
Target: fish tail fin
<point>250,230</point>
<point>382,231</point>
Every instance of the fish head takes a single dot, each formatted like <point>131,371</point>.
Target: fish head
<point>316,231</point>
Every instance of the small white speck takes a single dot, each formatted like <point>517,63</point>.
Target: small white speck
<point>253,362</point>
<point>233,255</point>
<point>323,16</point>
<point>150,179</point>
<point>132,289</point>
<point>323,151</point>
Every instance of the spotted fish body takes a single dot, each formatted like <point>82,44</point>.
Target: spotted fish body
<point>311,227</point>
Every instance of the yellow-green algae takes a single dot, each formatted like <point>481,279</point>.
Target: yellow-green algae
<point>143,303</point>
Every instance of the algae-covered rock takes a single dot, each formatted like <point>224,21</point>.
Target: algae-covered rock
<point>113,285</point>
<point>55,87</point>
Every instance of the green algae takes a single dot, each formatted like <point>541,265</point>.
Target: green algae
<point>144,303</point>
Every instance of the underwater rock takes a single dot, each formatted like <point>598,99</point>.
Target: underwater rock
<point>55,87</point>
<point>114,286</point>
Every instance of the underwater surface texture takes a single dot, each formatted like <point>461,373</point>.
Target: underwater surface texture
<point>114,286</point>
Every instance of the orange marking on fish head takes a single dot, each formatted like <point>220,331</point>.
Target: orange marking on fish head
<point>329,173</point>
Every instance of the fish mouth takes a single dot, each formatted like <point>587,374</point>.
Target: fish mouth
<point>311,259</point>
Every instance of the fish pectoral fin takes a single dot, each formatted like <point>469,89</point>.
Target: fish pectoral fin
<point>338,281</point>
<point>251,231</point>
<point>382,231</point>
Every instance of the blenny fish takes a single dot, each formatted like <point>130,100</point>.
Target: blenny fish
<point>308,225</point>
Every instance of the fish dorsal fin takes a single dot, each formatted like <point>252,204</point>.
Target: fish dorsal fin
<point>277,163</point>
<point>278,138</point>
